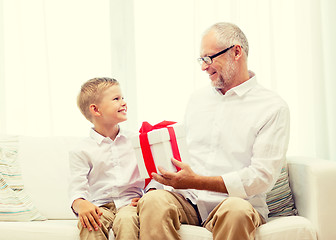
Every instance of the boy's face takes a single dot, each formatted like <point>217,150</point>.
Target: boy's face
<point>112,107</point>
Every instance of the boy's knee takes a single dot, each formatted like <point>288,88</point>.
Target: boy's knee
<point>127,213</point>
<point>126,223</point>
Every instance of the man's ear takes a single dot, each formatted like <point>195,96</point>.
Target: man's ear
<point>94,110</point>
<point>238,52</point>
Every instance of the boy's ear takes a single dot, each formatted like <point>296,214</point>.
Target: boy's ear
<point>94,110</point>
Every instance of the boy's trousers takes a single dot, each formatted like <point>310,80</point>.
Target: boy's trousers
<point>162,212</point>
<point>124,223</point>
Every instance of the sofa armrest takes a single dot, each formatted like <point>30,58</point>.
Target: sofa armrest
<point>312,182</point>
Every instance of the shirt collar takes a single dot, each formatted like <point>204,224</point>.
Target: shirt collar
<point>97,137</point>
<point>243,88</point>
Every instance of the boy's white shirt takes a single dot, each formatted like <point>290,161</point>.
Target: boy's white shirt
<point>103,170</point>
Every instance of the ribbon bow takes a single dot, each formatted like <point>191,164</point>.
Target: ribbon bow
<point>145,146</point>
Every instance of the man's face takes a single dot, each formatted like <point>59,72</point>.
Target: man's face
<point>222,70</point>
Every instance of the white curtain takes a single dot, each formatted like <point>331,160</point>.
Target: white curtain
<point>49,48</point>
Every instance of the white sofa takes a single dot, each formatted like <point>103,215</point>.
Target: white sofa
<point>44,165</point>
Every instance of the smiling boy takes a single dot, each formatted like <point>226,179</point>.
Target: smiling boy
<point>105,182</point>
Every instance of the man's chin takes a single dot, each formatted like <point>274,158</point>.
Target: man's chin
<point>217,84</point>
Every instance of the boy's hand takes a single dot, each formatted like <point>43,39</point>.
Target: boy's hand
<point>134,202</point>
<point>88,213</point>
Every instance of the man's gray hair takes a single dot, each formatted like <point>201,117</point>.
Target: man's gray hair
<point>229,34</point>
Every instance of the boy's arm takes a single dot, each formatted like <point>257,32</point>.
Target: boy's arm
<point>88,213</point>
<point>78,182</point>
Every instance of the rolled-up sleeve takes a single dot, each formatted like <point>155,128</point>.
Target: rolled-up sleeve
<point>234,185</point>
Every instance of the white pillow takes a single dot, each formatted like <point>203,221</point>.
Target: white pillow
<point>45,171</point>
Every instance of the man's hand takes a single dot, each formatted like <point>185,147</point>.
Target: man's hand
<point>183,179</point>
<point>88,213</point>
<point>186,178</point>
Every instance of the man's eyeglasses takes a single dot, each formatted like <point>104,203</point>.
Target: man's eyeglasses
<point>208,59</point>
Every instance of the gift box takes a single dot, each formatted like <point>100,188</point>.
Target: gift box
<point>156,145</point>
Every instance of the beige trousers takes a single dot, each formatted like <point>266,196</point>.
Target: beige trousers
<point>162,212</point>
<point>124,223</point>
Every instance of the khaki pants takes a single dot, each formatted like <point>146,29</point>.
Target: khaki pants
<point>162,212</point>
<point>124,223</point>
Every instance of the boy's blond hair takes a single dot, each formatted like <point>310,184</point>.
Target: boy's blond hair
<point>91,93</point>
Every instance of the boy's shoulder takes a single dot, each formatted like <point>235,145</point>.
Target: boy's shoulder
<point>94,139</point>
<point>127,133</point>
<point>82,144</point>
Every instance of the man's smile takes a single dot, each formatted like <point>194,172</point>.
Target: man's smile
<point>213,75</point>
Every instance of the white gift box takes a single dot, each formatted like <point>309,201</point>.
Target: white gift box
<point>160,146</point>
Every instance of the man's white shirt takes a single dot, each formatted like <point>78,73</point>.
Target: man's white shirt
<point>241,136</point>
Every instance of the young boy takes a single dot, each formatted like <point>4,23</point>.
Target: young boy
<point>105,182</point>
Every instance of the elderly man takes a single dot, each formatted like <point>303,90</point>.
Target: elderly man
<point>237,134</point>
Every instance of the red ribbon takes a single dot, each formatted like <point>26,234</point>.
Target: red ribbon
<point>145,146</point>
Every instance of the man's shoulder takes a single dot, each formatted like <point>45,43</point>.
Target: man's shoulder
<point>270,96</point>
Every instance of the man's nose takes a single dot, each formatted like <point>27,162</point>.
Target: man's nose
<point>204,66</point>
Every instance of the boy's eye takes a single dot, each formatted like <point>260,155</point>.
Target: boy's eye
<point>118,98</point>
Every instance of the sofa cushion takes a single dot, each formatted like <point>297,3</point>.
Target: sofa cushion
<point>290,227</point>
<point>45,171</point>
<point>280,199</point>
<point>277,228</point>
<point>294,227</point>
<point>15,203</point>
<point>40,230</point>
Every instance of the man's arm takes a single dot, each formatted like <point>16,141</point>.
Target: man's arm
<point>186,178</point>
